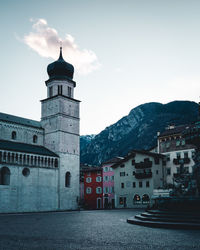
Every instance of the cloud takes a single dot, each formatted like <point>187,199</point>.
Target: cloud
<point>46,41</point>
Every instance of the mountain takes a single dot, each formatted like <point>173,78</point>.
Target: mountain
<point>137,130</point>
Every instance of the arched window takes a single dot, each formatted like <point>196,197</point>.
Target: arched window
<point>5,176</point>
<point>136,199</point>
<point>35,138</point>
<point>67,179</point>
<point>56,163</point>
<point>145,198</point>
<point>14,135</point>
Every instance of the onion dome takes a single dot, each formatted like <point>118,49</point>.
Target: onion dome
<point>60,70</point>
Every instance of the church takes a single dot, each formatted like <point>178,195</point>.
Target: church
<point>39,160</point>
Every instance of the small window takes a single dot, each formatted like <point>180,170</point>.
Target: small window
<point>134,184</point>
<point>88,190</point>
<point>50,91</point>
<point>156,171</point>
<point>14,135</point>
<point>112,178</point>
<point>178,143</point>
<point>26,172</point>
<point>147,183</point>
<point>167,144</point>
<point>168,171</point>
<point>59,89</point>
<point>156,160</point>
<point>88,179</point>
<point>98,179</point>
<point>122,185</point>
<point>122,173</point>
<point>69,91</point>
<point>35,139</point>
<point>106,190</point>
<point>133,172</point>
<point>121,200</point>
<point>112,190</point>
<point>178,155</point>
<point>106,169</point>
<point>4,176</point>
<point>67,179</point>
<point>183,142</point>
<point>168,157</point>
<point>122,166</point>
<point>185,154</point>
<point>140,184</point>
<point>98,172</point>
<point>98,190</point>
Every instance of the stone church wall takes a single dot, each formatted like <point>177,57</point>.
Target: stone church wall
<point>33,193</point>
<point>24,134</point>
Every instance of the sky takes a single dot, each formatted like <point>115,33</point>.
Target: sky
<point>125,53</point>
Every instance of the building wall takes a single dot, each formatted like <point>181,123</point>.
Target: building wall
<point>24,134</point>
<point>108,186</point>
<point>33,193</point>
<point>172,168</point>
<point>130,190</point>
<point>91,199</point>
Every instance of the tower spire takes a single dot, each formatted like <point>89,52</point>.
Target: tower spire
<point>60,57</point>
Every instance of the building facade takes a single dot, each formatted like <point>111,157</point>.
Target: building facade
<point>108,183</point>
<point>93,188</point>
<point>172,144</point>
<point>39,161</point>
<point>136,176</point>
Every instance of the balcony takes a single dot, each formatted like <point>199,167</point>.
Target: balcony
<point>178,161</point>
<point>143,175</point>
<point>143,165</point>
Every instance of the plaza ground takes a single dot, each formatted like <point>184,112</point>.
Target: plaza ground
<point>89,230</point>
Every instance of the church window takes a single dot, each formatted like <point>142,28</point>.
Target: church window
<point>56,163</point>
<point>13,158</point>
<point>59,89</point>
<point>67,179</point>
<point>26,172</point>
<point>69,91</point>
<point>50,91</point>
<point>14,135</point>
<point>5,176</point>
<point>35,139</point>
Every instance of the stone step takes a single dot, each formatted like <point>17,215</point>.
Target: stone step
<point>175,213</point>
<point>162,224</point>
<point>169,215</point>
<point>164,219</point>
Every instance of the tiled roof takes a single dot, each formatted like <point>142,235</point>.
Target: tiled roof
<point>113,160</point>
<point>25,148</point>
<point>19,120</point>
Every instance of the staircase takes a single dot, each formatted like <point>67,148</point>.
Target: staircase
<point>167,219</point>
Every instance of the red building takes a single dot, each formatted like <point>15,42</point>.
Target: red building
<point>93,187</point>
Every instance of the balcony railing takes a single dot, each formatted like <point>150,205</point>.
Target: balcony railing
<point>178,161</point>
<point>143,175</point>
<point>142,165</point>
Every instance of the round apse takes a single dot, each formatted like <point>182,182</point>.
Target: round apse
<point>25,172</point>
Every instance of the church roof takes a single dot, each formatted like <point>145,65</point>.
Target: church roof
<point>60,69</point>
<point>26,148</point>
<point>19,120</point>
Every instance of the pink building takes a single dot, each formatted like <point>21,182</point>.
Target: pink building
<point>108,183</point>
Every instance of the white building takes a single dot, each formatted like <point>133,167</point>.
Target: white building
<point>39,161</point>
<point>136,176</point>
<point>172,144</point>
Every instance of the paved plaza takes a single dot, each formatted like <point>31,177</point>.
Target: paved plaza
<point>89,230</point>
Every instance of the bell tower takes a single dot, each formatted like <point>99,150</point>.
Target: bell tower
<point>60,120</point>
